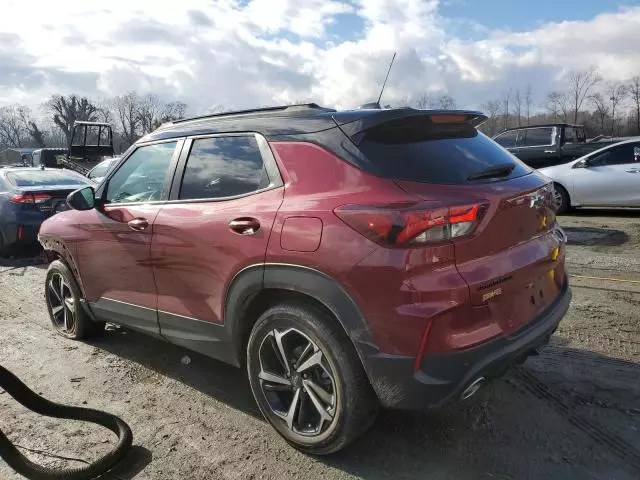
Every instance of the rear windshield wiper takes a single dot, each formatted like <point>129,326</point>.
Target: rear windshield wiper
<point>493,172</point>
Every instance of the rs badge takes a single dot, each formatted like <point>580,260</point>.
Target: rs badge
<point>492,294</point>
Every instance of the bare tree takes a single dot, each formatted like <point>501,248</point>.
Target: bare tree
<point>528,100</point>
<point>127,110</point>
<point>425,101</point>
<point>12,127</point>
<point>616,93</point>
<point>175,111</point>
<point>492,110</point>
<point>517,102</point>
<point>602,108</point>
<point>66,111</point>
<point>506,98</point>
<point>36,134</point>
<point>446,102</point>
<point>634,92</point>
<point>558,104</point>
<point>104,113</point>
<point>150,110</point>
<point>580,84</point>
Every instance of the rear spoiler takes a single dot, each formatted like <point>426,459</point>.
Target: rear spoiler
<point>355,128</point>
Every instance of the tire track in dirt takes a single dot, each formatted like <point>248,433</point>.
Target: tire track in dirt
<point>614,444</point>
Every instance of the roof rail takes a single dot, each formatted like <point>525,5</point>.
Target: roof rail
<point>300,107</point>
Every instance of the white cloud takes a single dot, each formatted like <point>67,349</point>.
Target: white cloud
<point>246,53</point>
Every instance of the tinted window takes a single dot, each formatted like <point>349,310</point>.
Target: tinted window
<point>538,136</point>
<point>142,176</point>
<point>507,139</point>
<point>617,156</point>
<point>44,178</point>
<point>435,154</point>
<point>223,167</point>
<point>570,135</point>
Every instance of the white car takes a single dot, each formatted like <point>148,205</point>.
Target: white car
<point>609,177</point>
<point>97,173</point>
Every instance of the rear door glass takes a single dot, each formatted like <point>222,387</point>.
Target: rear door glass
<point>507,139</point>
<point>537,137</point>
<point>222,167</point>
<point>418,151</point>
<point>622,155</point>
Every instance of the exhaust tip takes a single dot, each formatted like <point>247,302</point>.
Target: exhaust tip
<point>473,388</point>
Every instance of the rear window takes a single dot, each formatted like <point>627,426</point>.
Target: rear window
<point>419,151</point>
<point>44,178</point>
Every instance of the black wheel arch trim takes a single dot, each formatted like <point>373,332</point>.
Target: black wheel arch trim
<point>300,279</point>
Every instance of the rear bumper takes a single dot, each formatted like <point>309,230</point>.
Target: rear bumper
<point>21,232</point>
<point>442,378</point>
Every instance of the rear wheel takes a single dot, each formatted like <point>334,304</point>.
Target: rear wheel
<point>63,298</point>
<point>308,380</point>
<point>561,199</point>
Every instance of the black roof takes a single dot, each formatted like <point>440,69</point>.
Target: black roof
<point>292,120</point>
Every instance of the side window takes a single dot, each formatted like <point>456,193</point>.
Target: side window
<point>569,135</point>
<point>507,139</point>
<point>616,156</point>
<point>223,167</point>
<point>537,137</point>
<point>142,177</point>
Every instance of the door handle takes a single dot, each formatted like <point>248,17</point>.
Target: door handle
<point>549,151</point>
<point>138,224</point>
<point>244,225</point>
<point>633,170</point>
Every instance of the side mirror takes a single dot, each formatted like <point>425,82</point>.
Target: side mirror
<point>82,199</point>
<point>581,164</point>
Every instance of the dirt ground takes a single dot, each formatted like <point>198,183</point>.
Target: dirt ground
<point>571,412</point>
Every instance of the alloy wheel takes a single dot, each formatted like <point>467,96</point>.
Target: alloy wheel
<point>557,199</point>
<point>297,381</point>
<point>62,304</point>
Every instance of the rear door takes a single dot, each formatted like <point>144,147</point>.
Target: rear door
<point>536,147</point>
<point>114,241</point>
<point>611,178</point>
<point>224,200</point>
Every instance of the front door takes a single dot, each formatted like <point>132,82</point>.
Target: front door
<point>218,222</point>
<point>113,249</point>
<point>611,178</point>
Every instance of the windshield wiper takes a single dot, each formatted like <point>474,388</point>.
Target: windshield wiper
<point>494,172</point>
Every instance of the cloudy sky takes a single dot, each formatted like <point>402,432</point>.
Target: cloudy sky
<point>243,53</point>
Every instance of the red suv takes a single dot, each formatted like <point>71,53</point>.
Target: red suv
<point>349,260</point>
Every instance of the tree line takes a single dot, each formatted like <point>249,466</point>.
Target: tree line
<point>131,116</point>
<point>605,108</point>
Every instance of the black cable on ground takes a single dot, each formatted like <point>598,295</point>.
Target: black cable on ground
<point>31,400</point>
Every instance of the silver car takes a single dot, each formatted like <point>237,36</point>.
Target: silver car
<point>609,177</point>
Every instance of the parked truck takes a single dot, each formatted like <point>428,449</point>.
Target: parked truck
<point>542,146</point>
<point>90,144</point>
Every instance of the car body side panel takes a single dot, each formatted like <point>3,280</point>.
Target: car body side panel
<point>398,290</point>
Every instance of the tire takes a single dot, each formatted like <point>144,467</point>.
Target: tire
<point>561,198</point>
<point>311,338</point>
<point>63,298</point>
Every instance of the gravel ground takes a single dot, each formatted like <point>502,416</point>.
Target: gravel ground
<point>571,412</point>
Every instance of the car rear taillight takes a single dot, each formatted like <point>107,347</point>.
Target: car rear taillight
<point>30,198</point>
<point>412,224</point>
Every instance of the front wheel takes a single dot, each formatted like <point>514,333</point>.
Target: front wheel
<point>63,298</point>
<point>308,380</point>
<point>561,200</point>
